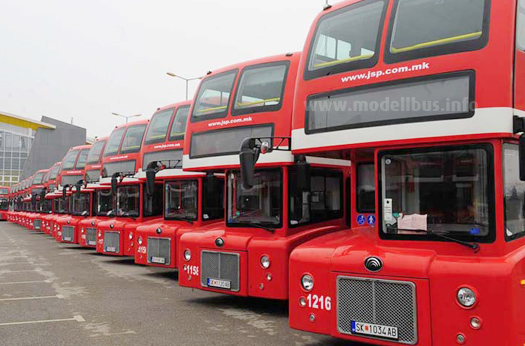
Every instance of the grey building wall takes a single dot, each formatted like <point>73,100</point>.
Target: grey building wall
<point>51,146</point>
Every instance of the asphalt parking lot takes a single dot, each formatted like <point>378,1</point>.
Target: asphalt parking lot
<point>61,294</point>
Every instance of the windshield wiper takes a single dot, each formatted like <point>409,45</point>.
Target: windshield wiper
<point>182,219</point>
<point>473,246</point>
<point>257,225</point>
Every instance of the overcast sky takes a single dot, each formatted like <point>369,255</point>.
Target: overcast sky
<point>86,59</point>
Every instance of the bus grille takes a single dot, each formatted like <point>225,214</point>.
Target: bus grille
<point>37,224</point>
<point>91,236</point>
<point>112,242</point>
<point>68,233</point>
<point>381,302</point>
<point>221,266</point>
<point>159,250</point>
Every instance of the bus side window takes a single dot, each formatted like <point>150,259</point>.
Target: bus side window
<point>520,26</point>
<point>514,194</point>
<point>366,188</point>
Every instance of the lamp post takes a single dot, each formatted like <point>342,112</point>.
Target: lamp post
<point>126,116</point>
<point>187,80</point>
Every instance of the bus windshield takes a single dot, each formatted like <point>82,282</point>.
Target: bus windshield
<point>420,24</point>
<point>260,88</point>
<point>114,142</point>
<point>38,178</point>
<point>214,96</point>
<point>261,205</point>
<point>80,203</point>
<point>178,128</point>
<point>54,172</point>
<point>69,161</point>
<point>81,162</point>
<point>94,153</point>
<point>347,36</point>
<point>158,127</point>
<point>444,191</point>
<point>128,201</point>
<point>61,205</point>
<point>47,206</point>
<point>133,139</point>
<point>104,203</point>
<point>181,200</point>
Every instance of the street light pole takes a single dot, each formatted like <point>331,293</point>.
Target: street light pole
<point>126,116</point>
<point>187,80</point>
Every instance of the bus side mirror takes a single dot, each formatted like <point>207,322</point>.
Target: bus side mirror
<point>79,187</point>
<point>212,185</point>
<point>522,157</point>
<point>151,172</point>
<point>303,174</point>
<point>114,183</point>
<point>64,191</point>
<point>248,157</point>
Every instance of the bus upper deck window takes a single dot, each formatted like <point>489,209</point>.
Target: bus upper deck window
<point>346,39</point>
<point>178,128</point>
<point>421,28</point>
<point>214,97</point>
<point>260,89</point>
<point>133,139</point>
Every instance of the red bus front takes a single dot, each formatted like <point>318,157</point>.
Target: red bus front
<point>101,199</point>
<point>419,96</point>
<point>248,254</point>
<point>180,194</point>
<point>72,179</point>
<point>122,159</point>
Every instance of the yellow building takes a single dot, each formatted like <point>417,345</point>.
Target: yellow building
<point>17,135</point>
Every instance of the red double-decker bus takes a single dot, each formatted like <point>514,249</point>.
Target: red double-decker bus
<point>122,160</point>
<point>426,99</point>
<point>270,212</point>
<point>5,194</point>
<point>101,199</point>
<point>37,197</point>
<point>50,187</point>
<point>191,200</point>
<point>72,176</point>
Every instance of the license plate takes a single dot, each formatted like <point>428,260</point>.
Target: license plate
<point>374,330</point>
<point>111,249</point>
<point>92,242</point>
<point>219,283</point>
<point>160,260</point>
<point>67,238</point>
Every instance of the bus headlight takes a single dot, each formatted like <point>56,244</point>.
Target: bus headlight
<point>307,282</point>
<point>187,255</point>
<point>139,240</point>
<point>466,297</point>
<point>265,262</point>
<point>130,235</point>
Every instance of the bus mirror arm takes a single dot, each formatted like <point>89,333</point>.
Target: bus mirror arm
<point>64,191</point>
<point>43,193</point>
<point>519,127</point>
<point>248,156</point>
<point>251,148</point>
<point>78,185</point>
<point>151,172</point>
<point>303,173</point>
<point>114,183</point>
